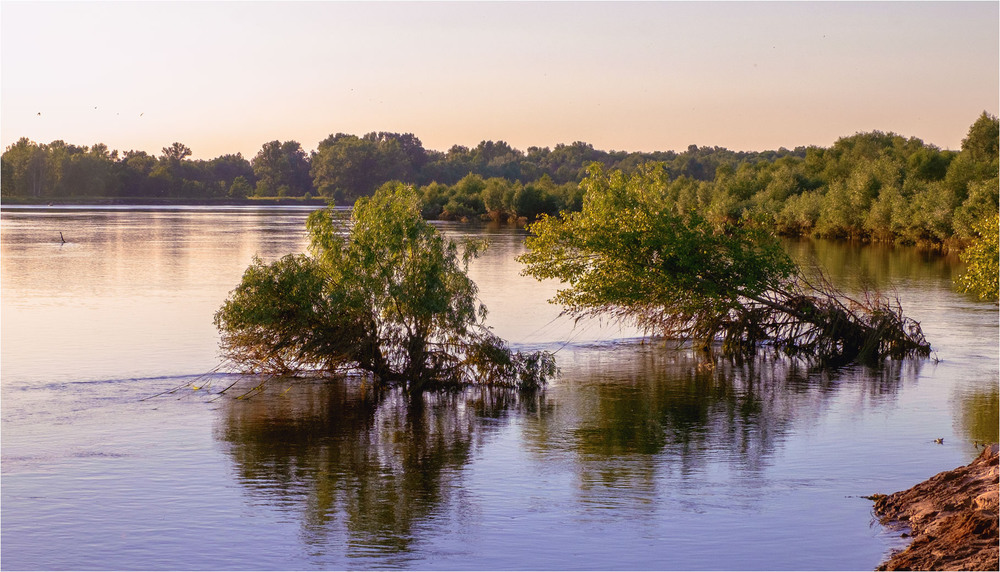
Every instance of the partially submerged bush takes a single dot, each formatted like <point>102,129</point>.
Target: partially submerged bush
<point>635,255</point>
<point>385,294</point>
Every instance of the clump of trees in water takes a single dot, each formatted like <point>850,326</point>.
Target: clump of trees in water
<point>872,186</point>
<point>383,293</point>
<point>635,253</point>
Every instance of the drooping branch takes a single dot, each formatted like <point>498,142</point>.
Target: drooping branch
<point>813,321</point>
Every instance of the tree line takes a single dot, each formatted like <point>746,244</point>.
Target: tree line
<point>343,167</point>
<point>869,186</point>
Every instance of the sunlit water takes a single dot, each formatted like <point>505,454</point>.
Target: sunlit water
<point>639,456</point>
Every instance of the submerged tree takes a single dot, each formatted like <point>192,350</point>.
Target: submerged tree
<point>384,293</point>
<point>633,254</point>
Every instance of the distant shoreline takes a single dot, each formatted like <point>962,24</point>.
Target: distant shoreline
<point>153,201</point>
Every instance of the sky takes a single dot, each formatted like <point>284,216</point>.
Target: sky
<point>227,77</point>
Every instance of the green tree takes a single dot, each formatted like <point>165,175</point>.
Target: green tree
<point>433,197</point>
<point>448,168</point>
<point>466,198</point>
<point>631,255</point>
<point>176,153</point>
<point>799,213</point>
<point>223,171</point>
<point>134,172</point>
<point>410,158</point>
<point>929,163</point>
<point>23,169</point>
<point>531,201</point>
<point>982,257</point>
<point>497,197</point>
<point>983,200</point>
<point>982,142</point>
<point>390,297</point>
<point>173,176</point>
<point>282,164</point>
<point>89,174</point>
<point>240,189</point>
<point>346,167</point>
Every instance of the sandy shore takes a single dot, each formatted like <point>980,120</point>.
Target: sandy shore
<point>952,518</point>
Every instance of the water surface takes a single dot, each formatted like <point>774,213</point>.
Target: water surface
<point>639,455</point>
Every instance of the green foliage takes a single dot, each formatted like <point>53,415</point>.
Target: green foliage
<point>386,294</point>
<point>982,257</point>
<point>240,189</point>
<point>983,140</point>
<point>282,165</point>
<point>631,254</point>
<point>498,197</point>
<point>982,201</point>
<point>61,170</point>
<point>873,186</point>
<point>23,169</point>
<point>346,167</point>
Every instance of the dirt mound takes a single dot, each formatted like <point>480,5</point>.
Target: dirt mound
<point>952,518</point>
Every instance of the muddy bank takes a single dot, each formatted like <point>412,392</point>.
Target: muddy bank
<point>952,518</point>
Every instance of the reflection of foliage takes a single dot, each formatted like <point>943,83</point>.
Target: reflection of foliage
<point>633,254</point>
<point>662,406</point>
<point>856,266</point>
<point>980,415</point>
<point>373,468</point>
<point>691,403</point>
<point>377,463</point>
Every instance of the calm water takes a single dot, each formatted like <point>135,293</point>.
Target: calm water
<point>638,456</point>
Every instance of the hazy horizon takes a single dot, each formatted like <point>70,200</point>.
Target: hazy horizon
<point>226,77</point>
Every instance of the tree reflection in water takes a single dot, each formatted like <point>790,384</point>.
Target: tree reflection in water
<point>363,466</point>
<point>679,401</point>
<point>979,414</point>
<point>655,420</point>
<point>854,265</point>
<point>369,472</point>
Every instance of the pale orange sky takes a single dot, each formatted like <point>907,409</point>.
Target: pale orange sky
<point>227,77</point>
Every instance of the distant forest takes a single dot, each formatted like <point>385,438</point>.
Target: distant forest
<point>869,186</point>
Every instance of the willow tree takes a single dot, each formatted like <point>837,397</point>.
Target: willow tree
<point>384,293</point>
<point>632,254</point>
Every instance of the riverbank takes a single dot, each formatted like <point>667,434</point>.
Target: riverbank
<point>159,201</point>
<point>952,518</point>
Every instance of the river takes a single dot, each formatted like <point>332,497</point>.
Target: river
<point>639,455</point>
